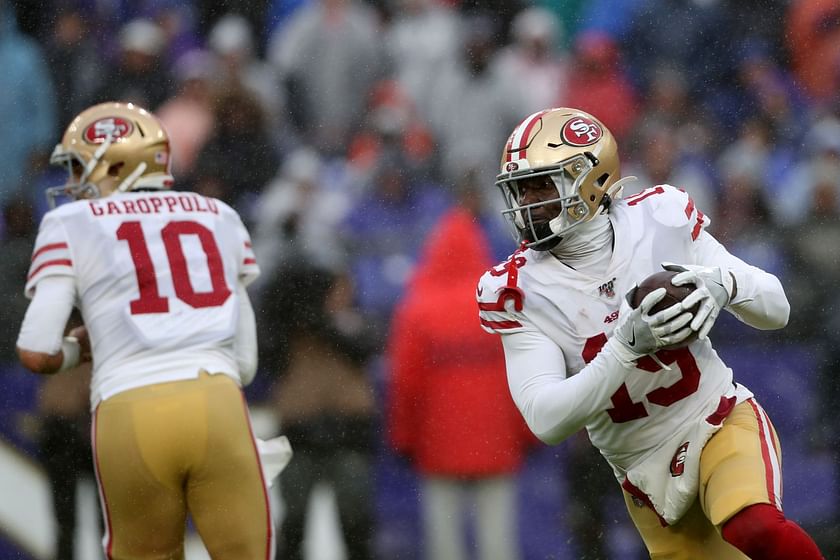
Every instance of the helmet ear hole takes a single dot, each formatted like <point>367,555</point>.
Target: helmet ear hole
<point>114,170</point>
<point>602,179</point>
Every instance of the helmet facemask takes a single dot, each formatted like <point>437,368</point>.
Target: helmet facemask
<point>565,211</point>
<point>79,173</point>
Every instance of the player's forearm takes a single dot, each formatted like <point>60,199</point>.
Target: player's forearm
<point>553,406</point>
<point>40,345</point>
<point>245,342</point>
<point>760,300</point>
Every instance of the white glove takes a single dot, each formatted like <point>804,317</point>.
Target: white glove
<point>714,291</point>
<point>639,334</point>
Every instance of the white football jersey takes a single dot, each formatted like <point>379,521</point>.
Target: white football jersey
<point>533,291</point>
<point>156,277</point>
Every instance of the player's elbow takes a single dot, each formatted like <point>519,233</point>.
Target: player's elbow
<point>39,362</point>
<point>247,370</point>
<point>776,315</point>
<point>550,433</point>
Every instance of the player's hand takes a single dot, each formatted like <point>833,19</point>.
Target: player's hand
<point>81,336</point>
<point>715,288</point>
<point>639,334</point>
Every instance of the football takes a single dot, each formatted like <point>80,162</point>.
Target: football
<point>674,294</point>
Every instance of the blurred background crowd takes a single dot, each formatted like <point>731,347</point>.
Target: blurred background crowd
<point>359,140</point>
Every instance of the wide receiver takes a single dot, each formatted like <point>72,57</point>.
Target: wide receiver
<point>697,457</point>
<point>159,277</point>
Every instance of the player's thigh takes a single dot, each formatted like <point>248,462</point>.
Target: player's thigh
<point>693,537</point>
<point>139,456</point>
<point>741,464</point>
<point>226,493</point>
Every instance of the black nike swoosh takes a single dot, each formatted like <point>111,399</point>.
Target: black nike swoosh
<point>632,341</point>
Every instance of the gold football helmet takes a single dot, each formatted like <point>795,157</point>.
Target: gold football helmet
<point>112,147</point>
<point>573,153</point>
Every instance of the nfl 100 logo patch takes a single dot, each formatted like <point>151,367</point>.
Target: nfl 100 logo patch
<point>607,289</point>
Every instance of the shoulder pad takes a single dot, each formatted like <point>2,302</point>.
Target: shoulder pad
<point>671,207</point>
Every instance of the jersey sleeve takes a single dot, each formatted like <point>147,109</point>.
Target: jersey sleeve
<point>673,208</point>
<point>249,270</point>
<point>51,255</point>
<point>499,303</point>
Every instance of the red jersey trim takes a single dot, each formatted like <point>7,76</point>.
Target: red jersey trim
<point>56,262</point>
<point>50,247</point>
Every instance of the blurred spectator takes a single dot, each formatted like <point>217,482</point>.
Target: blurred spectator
<point>239,158</point>
<point>391,123</point>
<point>812,185</point>
<point>232,39</point>
<point>188,115</point>
<point>139,75</point>
<point>178,22</point>
<point>754,170</point>
<point>814,241</point>
<point>695,133</point>
<point>613,17</point>
<point>695,36</point>
<point>421,42</point>
<point>254,11</point>
<point>328,56</point>
<point>384,230</point>
<point>813,40</point>
<point>298,214</point>
<point>449,409</point>
<point>27,106</point>
<point>769,91</point>
<point>75,60</point>
<point>319,343</point>
<point>534,62</point>
<point>278,13</point>
<point>464,97</point>
<point>16,242</point>
<point>659,159</point>
<point>825,437</point>
<point>599,84</point>
<point>589,481</point>
<point>568,14</point>
<point>64,447</point>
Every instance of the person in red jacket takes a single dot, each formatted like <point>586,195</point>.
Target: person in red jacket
<point>449,409</point>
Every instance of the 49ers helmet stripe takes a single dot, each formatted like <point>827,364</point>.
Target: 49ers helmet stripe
<point>519,139</point>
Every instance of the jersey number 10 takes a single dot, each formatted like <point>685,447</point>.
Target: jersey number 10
<point>150,300</point>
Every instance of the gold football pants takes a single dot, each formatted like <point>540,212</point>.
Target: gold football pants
<point>168,450</point>
<point>739,466</point>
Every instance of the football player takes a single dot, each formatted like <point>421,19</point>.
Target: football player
<point>159,277</point>
<point>696,456</point>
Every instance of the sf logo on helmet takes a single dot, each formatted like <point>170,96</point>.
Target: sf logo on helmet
<point>581,131</point>
<point>115,127</point>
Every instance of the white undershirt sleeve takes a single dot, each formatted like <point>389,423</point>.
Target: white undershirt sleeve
<point>46,317</point>
<point>245,341</point>
<point>554,406</point>
<point>760,300</point>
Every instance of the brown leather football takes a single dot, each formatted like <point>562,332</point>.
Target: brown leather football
<point>675,294</point>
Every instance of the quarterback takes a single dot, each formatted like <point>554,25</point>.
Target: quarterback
<point>697,457</point>
<point>159,277</point>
